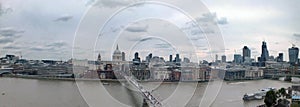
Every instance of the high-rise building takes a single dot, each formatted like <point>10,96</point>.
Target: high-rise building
<point>293,55</point>
<point>271,58</point>
<point>216,58</point>
<point>177,59</point>
<point>279,57</point>
<point>136,58</point>
<point>264,52</point>
<point>123,56</point>
<point>149,57</point>
<point>246,53</point>
<point>223,58</point>
<point>170,58</point>
<point>186,60</point>
<point>237,58</point>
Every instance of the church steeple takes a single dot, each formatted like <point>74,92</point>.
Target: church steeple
<point>117,47</point>
<point>99,57</point>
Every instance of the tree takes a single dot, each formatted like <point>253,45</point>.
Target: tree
<point>270,98</point>
<point>282,92</point>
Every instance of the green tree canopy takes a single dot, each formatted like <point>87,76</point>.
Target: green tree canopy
<point>270,98</point>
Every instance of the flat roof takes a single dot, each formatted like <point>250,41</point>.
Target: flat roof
<point>296,97</point>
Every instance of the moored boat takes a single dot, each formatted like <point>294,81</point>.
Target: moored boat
<point>257,95</point>
<point>105,83</point>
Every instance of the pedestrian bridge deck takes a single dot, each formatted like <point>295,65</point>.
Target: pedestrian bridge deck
<point>149,98</point>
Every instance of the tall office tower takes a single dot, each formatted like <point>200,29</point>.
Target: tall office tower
<point>170,58</point>
<point>149,57</point>
<point>216,58</point>
<point>246,53</point>
<point>293,55</point>
<point>265,53</point>
<point>177,59</point>
<point>237,59</point>
<point>280,57</point>
<point>136,58</point>
<point>123,56</point>
<point>223,58</point>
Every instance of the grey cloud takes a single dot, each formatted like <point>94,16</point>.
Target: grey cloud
<point>137,28</point>
<point>12,47</point>
<point>109,3</point>
<point>207,17</point>
<point>9,32</point>
<point>296,35</point>
<point>37,49</point>
<point>162,45</point>
<point>53,46</point>
<point>222,21</point>
<point>57,44</point>
<point>6,40</point>
<point>205,23</point>
<point>64,18</point>
<point>145,39</point>
<point>195,32</point>
<point>212,17</point>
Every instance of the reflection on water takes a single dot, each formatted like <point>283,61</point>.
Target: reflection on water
<point>52,93</point>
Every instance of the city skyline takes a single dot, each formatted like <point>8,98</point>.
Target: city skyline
<point>156,53</point>
<point>49,34</point>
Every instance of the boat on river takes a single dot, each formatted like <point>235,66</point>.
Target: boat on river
<point>105,83</point>
<point>257,95</point>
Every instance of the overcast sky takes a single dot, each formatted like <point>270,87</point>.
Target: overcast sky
<point>45,29</point>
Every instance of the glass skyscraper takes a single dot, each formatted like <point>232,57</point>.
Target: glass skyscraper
<point>246,53</point>
<point>264,52</point>
<point>293,55</point>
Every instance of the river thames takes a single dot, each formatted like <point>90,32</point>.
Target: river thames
<point>18,92</point>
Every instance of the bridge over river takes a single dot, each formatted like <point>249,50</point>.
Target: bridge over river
<point>147,95</point>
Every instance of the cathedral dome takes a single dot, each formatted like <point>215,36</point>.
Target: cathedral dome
<point>117,52</point>
<point>117,55</point>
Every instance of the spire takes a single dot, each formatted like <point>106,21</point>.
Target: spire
<point>117,47</point>
<point>99,57</point>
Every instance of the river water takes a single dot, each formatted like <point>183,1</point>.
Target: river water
<point>18,92</point>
